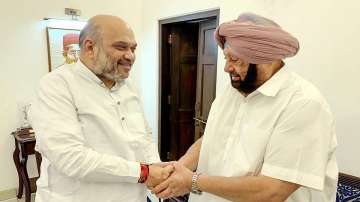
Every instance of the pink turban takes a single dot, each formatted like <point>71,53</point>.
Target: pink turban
<point>256,39</point>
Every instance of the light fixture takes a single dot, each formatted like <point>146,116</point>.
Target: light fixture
<point>73,23</point>
<point>75,13</point>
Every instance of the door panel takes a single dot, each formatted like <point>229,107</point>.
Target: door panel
<point>208,90</point>
<point>183,87</point>
<point>206,76</point>
<point>188,88</point>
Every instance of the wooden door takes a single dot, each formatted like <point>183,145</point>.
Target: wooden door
<point>206,75</point>
<point>183,61</point>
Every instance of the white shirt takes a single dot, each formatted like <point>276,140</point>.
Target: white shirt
<point>91,138</point>
<point>283,130</point>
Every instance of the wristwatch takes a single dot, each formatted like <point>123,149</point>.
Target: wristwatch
<point>194,187</point>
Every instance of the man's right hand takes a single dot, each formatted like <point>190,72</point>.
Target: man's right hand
<point>158,174</point>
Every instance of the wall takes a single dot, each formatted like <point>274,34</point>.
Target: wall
<point>24,60</point>
<point>328,31</point>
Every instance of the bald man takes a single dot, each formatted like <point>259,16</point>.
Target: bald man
<point>270,134</point>
<point>90,126</point>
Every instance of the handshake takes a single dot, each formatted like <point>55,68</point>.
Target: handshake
<point>169,179</point>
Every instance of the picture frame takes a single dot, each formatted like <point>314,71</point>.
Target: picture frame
<point>63,46</point>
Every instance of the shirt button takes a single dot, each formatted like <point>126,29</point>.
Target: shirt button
<point>118,102</point>
<point>122,118</point>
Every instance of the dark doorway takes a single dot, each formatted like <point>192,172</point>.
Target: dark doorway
<point>188,56</point>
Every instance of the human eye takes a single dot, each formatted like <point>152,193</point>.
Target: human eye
<point>233,59</point>
<point>121,47</point>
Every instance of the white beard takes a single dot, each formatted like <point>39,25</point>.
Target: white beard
<point>106,69</point>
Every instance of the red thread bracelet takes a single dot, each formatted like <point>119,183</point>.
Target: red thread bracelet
<point>144,173</point>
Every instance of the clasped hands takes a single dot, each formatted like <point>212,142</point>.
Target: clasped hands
<point>169,179</point>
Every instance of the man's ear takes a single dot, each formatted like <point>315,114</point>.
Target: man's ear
<point>89,47</point>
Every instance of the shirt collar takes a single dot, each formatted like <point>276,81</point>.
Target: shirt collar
<point>272,86</point>
<point>86,72</point>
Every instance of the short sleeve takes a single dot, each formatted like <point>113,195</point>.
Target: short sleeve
<point>299,148</point>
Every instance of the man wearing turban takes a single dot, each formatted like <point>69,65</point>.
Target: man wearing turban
<point>71,48</point>
<point>270,134</point>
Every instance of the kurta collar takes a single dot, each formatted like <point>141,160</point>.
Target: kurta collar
<point>272,86</point>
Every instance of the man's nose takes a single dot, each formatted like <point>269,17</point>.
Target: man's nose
<point>228,67</point>
<point>129,55</point>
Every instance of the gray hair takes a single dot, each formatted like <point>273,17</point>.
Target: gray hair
<point>90,30</point>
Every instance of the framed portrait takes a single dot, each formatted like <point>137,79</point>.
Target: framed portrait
<point>63,46</point>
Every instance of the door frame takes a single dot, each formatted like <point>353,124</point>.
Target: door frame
<point>164,32</point>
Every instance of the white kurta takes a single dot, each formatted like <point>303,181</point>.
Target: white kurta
<point>283,130</point>
<point>91,138</point>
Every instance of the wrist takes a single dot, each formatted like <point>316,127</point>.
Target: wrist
<point>187,162</point>
<point>182,160</point>
<point>194,184</point>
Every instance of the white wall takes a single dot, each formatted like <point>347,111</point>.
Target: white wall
<point>24,59</point>
<point>328,31</point>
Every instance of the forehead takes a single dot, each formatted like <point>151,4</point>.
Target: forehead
<point>227,52</point>
<point>122,34</point>
<point>229,55</point>
<point>227,49</point>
